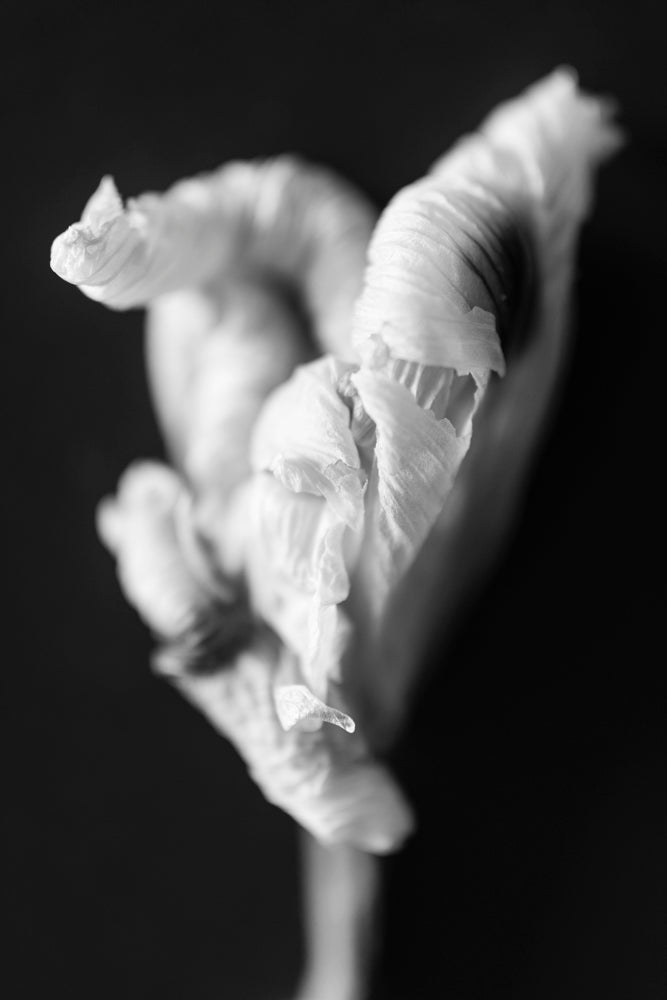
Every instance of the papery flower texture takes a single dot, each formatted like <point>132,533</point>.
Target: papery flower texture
<point>312,458</point>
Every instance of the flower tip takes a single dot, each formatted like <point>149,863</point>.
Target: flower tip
<point>103,206</point>
<point>78,251</point>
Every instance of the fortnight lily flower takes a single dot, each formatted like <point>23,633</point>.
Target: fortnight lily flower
<point>319,472</point>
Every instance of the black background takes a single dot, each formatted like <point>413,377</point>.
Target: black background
<point>141,861</point>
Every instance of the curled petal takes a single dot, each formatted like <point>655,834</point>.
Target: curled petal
<point>318,454</point>
<point>547,142</point>
<point>423,298</point>
<point>279,218</point>
<point>539,152</point>
<point>235,371</point>
<point>297,565</point>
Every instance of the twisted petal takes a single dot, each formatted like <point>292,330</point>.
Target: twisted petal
<point>279,218</point>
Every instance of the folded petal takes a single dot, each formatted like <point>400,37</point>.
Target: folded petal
<point>536,155</point>
<point>297,566</point>
<point>329,785</point>
<point>423,298</point>
<point>303,436</point>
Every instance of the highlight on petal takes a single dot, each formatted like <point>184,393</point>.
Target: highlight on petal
<point>295,703</point>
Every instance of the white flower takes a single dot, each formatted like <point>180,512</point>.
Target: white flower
<point>306,489</point>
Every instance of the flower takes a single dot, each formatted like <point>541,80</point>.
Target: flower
<point>304,488</point>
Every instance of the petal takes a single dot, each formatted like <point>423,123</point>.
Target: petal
<point>422,300</point>
<point>279,218</point>
<point>139,527</point>
<point>416,461</point>
<point>252,349</point>
<point>296,704</point>
<point>329,785</point>
<point>539,151</point>
<point>297,566</point>
<point>303,436</point>
<point>307,518</point>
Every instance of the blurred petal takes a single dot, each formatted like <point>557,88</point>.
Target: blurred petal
<point>421,299</point>
<point>139,527</point>
<point>329,785</point>
<point>253,349</point>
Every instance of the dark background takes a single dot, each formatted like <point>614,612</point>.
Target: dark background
<point>141,862</point>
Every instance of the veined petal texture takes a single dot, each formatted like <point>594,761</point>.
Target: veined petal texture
<point>278,218</point>
<point>416,460</point>
<point>307,516</point>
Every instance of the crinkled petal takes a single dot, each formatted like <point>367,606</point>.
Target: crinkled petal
<point>277,218</point>
<point>303,437</point>
<point>297,567</point>
<point>308,516</point>
<point>543,148</point>
<point>416,460</point>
